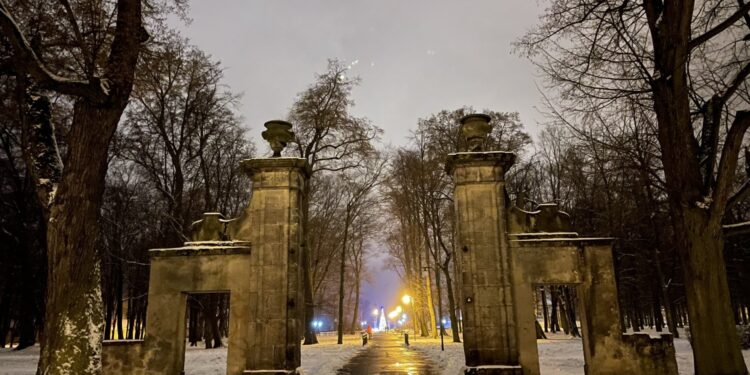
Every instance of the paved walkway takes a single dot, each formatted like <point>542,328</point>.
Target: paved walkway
<point>387,354</point>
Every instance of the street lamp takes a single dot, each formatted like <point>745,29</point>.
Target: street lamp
<point>317,324</point>
<point>406,299</point>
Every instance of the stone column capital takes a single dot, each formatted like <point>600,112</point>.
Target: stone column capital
<point>252,166</point>
<point>497,163</point>
<point>277,172</point>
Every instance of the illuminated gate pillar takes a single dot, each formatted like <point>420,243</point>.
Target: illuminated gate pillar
<point>256,258</point>
<point>272,223</point>
<point>491,343</point>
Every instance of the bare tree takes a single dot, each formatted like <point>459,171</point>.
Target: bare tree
<point>359,185</point>
<point>100,80</point>
<point>331,140</point>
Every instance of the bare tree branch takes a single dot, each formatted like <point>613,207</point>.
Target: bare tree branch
<point>25,60</point>
<point>87,56</point>
<point>741,12</point>
<point>728,163</point>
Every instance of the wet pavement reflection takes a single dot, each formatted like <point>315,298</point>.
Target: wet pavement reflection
<point>387,355</point>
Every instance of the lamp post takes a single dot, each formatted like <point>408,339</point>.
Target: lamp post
<point>316,325</point>
<point>406,300</point>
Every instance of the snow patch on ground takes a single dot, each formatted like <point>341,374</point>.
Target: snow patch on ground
<point>22,362</point>
<point>558,355</point>
<point>451,361</point>
<point>324,358</point>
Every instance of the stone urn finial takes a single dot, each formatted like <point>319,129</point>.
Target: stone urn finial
<point>474,130</point>
<point>278,133</point>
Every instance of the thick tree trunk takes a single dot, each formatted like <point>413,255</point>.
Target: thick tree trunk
<point>430,303</point>
<point>438,286</point>
<point>355,316</point>
<point>307,281</point>
<point>451,304</point>
<point>74,319</point>
<point>27,325</point>
<point>555,327</point>
<point>656,306</point>
<point>213,320</point>
<point>192,321</point>
<point>712,329</point>
<point>342,271</point>
<point>571,312</point>
<point>544,309</point>
<point>539,331</point>
<point>118,308</point>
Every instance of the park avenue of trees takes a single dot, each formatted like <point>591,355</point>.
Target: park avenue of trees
<point>116,133</point>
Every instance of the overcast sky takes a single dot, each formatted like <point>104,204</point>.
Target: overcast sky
<point>415,57</point>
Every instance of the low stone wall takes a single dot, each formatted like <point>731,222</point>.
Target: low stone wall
<point>653,355</point>
<point>119,357</point>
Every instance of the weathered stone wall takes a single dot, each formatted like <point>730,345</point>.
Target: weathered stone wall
<point>272,222</point>
<point>195,268</point>
<point>605,350</point>
<point>547,219</point>
<point>122,356</point>
<point>489,318</point>
<point>587,264</point>
<point>652,355</point>
<point>211,228</point>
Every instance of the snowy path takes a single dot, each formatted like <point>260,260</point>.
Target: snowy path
<point>386,354</point>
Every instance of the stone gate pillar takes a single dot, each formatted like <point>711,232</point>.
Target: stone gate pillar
<point>490,330</point>
<point>272,223</point>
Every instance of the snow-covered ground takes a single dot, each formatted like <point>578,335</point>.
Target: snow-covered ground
<point>327,356</point>
<point>19,362</point>
<point>323,358</point>
<point>559,355</point>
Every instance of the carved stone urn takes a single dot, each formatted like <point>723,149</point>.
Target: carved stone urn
<point>474,130</point>
<point>278,133</point>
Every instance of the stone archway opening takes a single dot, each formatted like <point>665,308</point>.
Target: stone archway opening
<point>558,328</point>
<point>206,327</point>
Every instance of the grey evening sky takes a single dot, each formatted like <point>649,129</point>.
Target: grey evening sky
<point>415,57</point>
